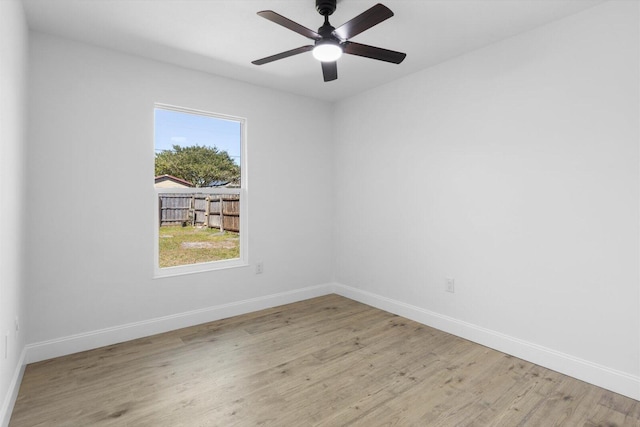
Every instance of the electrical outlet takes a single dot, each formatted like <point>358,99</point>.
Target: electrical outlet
<point>259,267</point>
<point>449,285</point>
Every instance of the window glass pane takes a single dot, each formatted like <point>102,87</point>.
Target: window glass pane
<point>196,228</point>
<point>198,149</point>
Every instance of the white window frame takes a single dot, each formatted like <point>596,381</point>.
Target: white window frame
<point>242,261</point>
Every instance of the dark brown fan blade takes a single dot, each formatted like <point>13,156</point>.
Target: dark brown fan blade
<point>373,52</point>
<point>283,55</point>
<point>288,23</point>
<point>364,21</point>
<point>329,71</point>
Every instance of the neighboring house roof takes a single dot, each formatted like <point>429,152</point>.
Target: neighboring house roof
<point>169,181</point>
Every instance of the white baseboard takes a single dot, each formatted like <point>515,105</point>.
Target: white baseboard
<point>12,393</point>
<point>593,373</point>
<point>94,339</point>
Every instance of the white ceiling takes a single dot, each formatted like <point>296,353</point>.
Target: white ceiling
<point>223,36</point>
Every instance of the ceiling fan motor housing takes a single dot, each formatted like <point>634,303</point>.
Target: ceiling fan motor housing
<point>325,7</point>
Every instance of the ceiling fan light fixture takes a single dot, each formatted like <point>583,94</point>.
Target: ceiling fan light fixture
<point>327,52</point>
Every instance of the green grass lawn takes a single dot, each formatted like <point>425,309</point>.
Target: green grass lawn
<point>191,245</point>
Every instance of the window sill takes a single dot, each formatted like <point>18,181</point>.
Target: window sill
<point>204,267</point>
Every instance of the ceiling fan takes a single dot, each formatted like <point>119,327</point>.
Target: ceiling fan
<point>330,43</point>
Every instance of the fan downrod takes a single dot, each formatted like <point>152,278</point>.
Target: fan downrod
<point>326,7</point>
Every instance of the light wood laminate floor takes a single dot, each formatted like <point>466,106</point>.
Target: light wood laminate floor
<point>327,361</point>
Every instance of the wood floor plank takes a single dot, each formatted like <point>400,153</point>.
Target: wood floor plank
<point>327,361</point>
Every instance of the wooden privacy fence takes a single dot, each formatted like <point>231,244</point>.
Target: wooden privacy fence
<point>220,211</point>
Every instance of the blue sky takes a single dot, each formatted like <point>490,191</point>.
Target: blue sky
<point>184,129</point>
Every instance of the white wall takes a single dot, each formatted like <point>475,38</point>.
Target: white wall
<point>13,70</point>
<point>514,170</point>
<point>91,200</point>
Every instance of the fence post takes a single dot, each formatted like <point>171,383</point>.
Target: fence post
<point>221,214</point>
<point>192,210</point>
<point>207,211</point>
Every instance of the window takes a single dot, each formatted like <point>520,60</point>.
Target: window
<point>200,191</point>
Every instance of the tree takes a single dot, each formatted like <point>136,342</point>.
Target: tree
<point>200,165</point>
